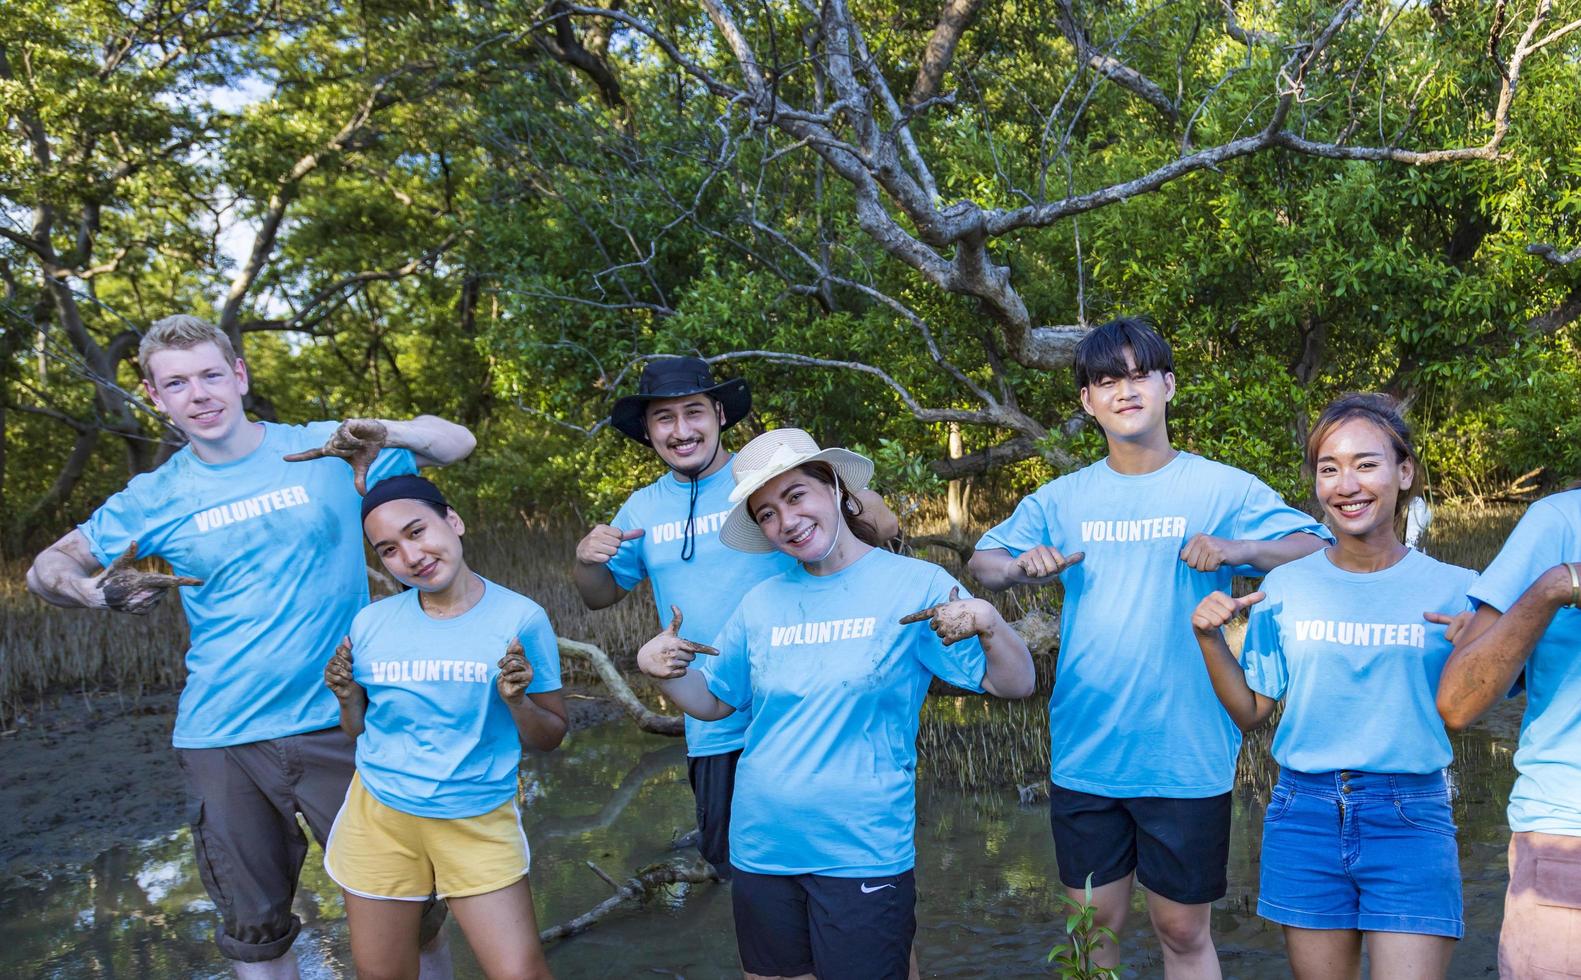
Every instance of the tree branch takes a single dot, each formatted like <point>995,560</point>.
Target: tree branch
<point>954,18</point>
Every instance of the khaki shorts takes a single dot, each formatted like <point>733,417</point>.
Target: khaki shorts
<point>1541,939</point>
<point>376,851</point>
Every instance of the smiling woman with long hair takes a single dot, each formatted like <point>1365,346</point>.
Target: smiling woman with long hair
<point>1358,840</point>
<point>833,660</point>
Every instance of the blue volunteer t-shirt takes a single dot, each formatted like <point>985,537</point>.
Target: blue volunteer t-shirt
<point>827,781</point>
<point>1133,713</point>
<point>706,588</point>
<point>1355,662</point>
<point>1547,793</point>
<point>279,549</point>
<point>438,739</point>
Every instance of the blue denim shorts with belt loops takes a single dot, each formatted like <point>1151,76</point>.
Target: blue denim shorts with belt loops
<point>1361,850</point>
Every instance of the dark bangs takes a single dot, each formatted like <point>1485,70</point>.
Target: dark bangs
<point>1101,354</point>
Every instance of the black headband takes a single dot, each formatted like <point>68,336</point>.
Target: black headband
<point>407,487</point>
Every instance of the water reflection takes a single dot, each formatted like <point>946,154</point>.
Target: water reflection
<point>618,798</point>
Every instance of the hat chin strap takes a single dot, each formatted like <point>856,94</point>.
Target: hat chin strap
<point>839,525</point>
<point>689,534</point>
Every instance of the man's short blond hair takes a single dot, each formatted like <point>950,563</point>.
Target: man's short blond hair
<point>182,332</point>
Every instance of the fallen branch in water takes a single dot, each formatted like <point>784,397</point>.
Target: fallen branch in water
<point>637,888</point>
<point>647,719</point>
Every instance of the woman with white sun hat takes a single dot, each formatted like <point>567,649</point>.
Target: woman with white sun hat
<point>829,661</point>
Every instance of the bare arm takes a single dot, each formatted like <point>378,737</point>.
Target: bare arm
<point>691,694</point>
<point>997,570</point>
<point>64,574</point>
<point>541,720</point>
<point>434,441</point>
<point>1247,708</point>
<point>1207,553</point>
<point>1494,649</point>
<point>876,512</point>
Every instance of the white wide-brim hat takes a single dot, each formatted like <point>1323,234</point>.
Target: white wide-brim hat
<point>766,457</point>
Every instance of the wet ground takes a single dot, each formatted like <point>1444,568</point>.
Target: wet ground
<point>99,880</point>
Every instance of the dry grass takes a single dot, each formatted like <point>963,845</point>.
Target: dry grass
<point>46,651</point>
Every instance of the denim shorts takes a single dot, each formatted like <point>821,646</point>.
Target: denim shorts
<point>1361,850</point>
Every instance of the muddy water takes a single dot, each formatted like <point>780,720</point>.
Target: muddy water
<point>617,797</point>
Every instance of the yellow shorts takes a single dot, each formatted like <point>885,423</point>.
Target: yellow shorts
<point>378,852</point>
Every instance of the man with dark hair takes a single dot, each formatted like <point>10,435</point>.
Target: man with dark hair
<point>669,531</point>
<point>268,556</point>
<point>1142,752</point>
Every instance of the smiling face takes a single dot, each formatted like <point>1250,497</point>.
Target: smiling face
<point>1360,478</point>
<point>685,431</point>
<point>418,546</point>
<point>798,513</point>
<point>1131,407</point>
<point>200,390</point>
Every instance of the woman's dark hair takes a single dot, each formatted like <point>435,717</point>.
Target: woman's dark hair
<point>1101,354</point>
<point>1381,411</point>
<point>850,507</point>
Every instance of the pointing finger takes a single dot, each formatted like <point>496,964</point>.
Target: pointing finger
<point>691,646</point>
<point>1249,600</point>
<point>919,615</point>
<point>305,455</point>
<point>1438,617</point>
<point>156,580</point>
<point>1072,560</point>
<point>632,534</point>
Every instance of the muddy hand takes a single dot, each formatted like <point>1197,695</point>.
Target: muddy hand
<point>1218,609</point>
<point>954,619</point>
<point>667,655</point>
<point>515,672</point>
<point>1455,624</point>
<point>337,673</point>
<point>357,441</point>
<point>126,588</point>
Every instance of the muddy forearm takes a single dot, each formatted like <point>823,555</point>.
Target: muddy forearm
<point>539,727</point>
<point>60,579</point>
<point>353,712</point>
<point>433,440</point>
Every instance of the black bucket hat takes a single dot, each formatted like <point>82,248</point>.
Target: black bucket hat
<point>677,377</point>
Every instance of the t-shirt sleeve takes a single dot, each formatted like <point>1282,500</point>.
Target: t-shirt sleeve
<point>1263,656</point>
<point>627,566</point>
<point>543,652</point>
<point>392,462</point>
<point>1029,525</point>
<point>1264,516</point>
<point>729,675</point>
<point>963,663</point>
<point>115,525</point>
<point>1539,542</point>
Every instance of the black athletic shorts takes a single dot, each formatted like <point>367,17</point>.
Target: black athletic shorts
<point>1178,848</point>
<point>713,779</point>
<point>835,928</point>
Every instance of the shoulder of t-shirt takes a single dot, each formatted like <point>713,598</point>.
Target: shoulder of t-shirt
<point>1559,509</point>
<point>521,605</point>
<point>306,435</point>
<point>1224,472</point>
<point>381,609</point>
<point>1444,568</point>
<point>1291,573</point>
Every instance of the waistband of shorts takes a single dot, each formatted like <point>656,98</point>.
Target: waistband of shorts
<point>1352,783</point>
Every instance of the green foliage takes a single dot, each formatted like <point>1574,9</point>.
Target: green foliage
<point>1073,958</point>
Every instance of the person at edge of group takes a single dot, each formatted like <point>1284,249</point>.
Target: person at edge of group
<point>1353,639</point>
<point>832,660</point>
<point>442,686</point>
<point>265,546</point>
<point>1143,755</point>
<point>669,531</point>
<point>1526,634</point>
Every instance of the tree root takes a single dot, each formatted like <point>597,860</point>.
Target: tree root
<point>647,719</point>
<point>637,888</point>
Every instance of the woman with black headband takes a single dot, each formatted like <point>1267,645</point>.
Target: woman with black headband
<point>441,685</point>
<point>831,660</point>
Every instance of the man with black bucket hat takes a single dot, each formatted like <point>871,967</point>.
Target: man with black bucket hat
<point>668,531</point>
